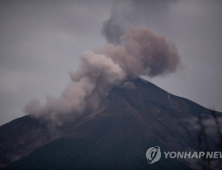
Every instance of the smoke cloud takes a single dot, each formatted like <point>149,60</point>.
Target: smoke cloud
<point>131,52</point>
<point>125,13</point>
<point>122,16</point>
<point>141,52</point>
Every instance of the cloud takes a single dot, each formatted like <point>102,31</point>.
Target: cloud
<point>141,52</point>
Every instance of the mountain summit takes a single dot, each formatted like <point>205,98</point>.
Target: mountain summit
<point>133,118</point>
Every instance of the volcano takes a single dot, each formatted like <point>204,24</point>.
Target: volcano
<point>114,136</point>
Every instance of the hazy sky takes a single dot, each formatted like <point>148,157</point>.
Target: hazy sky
<point>41,41</point>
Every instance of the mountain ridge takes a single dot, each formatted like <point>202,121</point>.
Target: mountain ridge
<point>143,111</point>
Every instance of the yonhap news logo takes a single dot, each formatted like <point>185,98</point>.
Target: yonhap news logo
<point>153,154</point>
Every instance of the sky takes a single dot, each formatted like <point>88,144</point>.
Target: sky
<point>41,41</point>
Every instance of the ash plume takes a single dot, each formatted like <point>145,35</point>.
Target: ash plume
<point>141,52</point>
<point>125,13</point>
<point>122,16</point>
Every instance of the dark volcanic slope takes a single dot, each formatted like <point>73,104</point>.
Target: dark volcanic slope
<point>117,135</point>
<point>19,137</point>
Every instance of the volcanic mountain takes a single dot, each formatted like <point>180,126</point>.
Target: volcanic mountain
<point>117,135</point>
